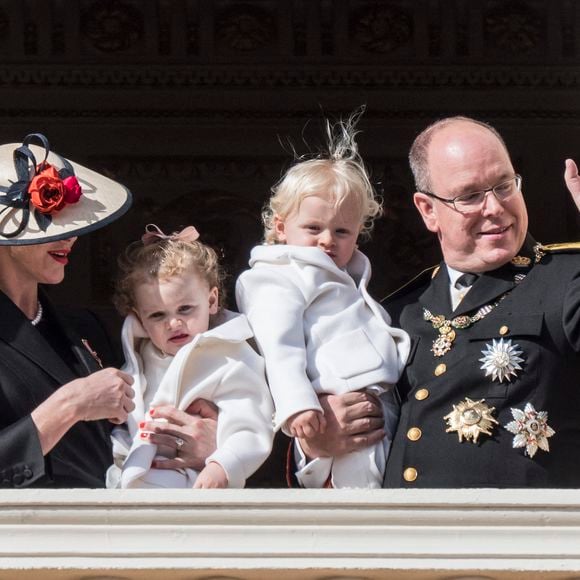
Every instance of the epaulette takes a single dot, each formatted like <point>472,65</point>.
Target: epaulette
<point>540,250</point>
<point>420,279</point>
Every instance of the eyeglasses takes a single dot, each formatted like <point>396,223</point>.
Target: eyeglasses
<point>473,201</point>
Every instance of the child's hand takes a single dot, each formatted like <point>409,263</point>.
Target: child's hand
<point>212,476</point>
<point>306,424</point>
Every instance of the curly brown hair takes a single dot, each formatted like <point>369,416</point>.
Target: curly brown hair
<point>163,259</point>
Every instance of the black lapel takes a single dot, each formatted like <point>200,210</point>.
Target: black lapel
<point>486,289</point>
<point>491,285</point>
<point>79,345</point>
<point>17,332</point>
<point>436,297</point>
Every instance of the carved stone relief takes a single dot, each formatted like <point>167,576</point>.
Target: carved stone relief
<point>131,85</point>
<point>112,26</point>
<point>244,27</point>
<point>448,29</point>
<point>514,28</point>
<point>381,28</point>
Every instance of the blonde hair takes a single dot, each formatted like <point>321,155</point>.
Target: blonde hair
<point>339,172</point>
<point>161,260</point>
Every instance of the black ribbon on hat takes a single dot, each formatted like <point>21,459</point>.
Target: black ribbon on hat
<point>16,196</point>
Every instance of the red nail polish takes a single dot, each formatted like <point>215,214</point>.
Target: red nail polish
<point>152,412</point>
<point>144,435</point>
<point>142,424</point>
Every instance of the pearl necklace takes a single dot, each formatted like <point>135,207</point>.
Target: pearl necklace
<point>38,316</point>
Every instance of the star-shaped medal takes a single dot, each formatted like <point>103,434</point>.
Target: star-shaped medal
<point>530,429</point>
<point>501,360</point>
<point>469,419</point>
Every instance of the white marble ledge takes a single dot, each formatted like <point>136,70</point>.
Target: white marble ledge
<point>477,534</point>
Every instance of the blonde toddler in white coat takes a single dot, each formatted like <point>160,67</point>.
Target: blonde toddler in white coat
<point>307,301</point>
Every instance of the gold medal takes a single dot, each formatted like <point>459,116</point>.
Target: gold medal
<point>446,328</point>
<point>521,261</point>
<point>469,419</point>
<point>442,344</point>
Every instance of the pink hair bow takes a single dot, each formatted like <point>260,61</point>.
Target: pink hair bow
<point>153,234</point>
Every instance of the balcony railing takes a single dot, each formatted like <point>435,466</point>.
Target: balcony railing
<point>289,534</point>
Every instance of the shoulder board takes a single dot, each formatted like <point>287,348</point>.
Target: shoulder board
<point>567,247</point>
<point>419,280</point>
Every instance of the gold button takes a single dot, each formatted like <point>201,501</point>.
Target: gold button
<point>440,369</point>
<point>410,474</point>
<point>414,434</point>
<point>421,394</point>
<point>504,330</point>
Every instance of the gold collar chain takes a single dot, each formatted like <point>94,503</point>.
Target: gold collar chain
<point>446,328</point>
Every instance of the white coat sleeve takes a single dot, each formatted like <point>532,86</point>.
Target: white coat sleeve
<point>311,474</point>
<point>244,429</point>
<point>275,308</point>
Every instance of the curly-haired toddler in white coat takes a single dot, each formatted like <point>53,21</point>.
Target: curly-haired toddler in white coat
<point>181,346</point>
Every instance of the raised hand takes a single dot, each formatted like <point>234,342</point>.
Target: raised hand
<point>572,180</point>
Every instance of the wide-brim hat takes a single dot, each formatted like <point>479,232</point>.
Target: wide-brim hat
<point>45,197</point>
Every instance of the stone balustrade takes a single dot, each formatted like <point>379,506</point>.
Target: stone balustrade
<point>476,534</point>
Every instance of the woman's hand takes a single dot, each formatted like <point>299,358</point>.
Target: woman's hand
<point>106,394</point>
<point>186,438</point>
<point>572,180</point>
<point>353,421</point>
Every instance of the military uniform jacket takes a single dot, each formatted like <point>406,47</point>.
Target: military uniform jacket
<point>541,317</point>
<point>30,371</point>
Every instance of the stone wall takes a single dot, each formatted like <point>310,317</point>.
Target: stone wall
<point>193,103</point>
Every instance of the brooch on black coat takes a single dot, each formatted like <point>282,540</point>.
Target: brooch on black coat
<point>92,351</point>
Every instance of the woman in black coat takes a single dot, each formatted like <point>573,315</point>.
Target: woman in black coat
<point>56,401</point>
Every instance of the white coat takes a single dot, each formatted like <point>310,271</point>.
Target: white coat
<point>317,326</point>
<point>219,366</point>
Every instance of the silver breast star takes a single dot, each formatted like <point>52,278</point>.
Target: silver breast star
<point>501,360</point>
<point>530,429</point>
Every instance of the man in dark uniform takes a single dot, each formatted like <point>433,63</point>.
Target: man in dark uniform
<point>490,396</point>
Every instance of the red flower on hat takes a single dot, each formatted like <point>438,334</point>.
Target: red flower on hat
<point>72,189</point>
<point>47,190</point>
<point>49,193</point>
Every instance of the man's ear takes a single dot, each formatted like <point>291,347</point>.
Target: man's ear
<point>280,228</point>
<point>214,300</point>
<point>426,208</point>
